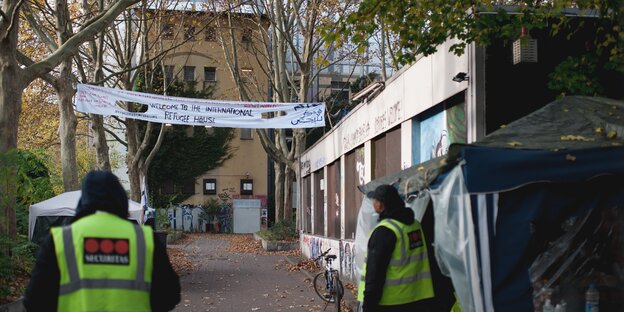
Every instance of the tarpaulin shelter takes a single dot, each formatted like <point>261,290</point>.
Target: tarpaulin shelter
<point>59,210</point>
<point>535,207</point>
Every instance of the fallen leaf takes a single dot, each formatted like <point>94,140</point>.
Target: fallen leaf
<point>575,138</point>
<point>611,134</point>
<point>514,143</point>
<point>599,130</point>
<point>503,126</point>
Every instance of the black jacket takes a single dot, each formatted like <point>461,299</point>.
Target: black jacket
<point>43,289</point>
<point>380,247</point>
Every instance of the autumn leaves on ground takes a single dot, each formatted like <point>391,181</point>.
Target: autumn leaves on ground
<point>188,257</point>
<point>238,243</point>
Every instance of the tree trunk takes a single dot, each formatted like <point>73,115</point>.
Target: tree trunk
<point>133,170</point>
<point>279,192</point>
<point>144,167</point>
<point>101,146</point>
<point>8,190</point>
<point>67,129</point>
<point>383,50</point>
<point>11,89</point>
<point>288,180</point>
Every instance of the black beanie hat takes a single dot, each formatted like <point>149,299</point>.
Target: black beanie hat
<point>102,191</point>
<point>388,195</point>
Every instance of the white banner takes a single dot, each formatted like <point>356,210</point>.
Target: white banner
<point>198,112</point>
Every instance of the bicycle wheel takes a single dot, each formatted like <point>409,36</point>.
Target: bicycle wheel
<point>338,292</point>
<point>320,287</point>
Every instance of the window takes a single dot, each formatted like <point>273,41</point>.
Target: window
<point>246,187</point>
<point>340,91</point>
<point>189,73</point>
<point>246,134</point>
<point>189,33</point>
<point>246,37</point>
<point>210,186</point>
<point>167,31</point>
<point>210,74</point>
<point>210,34</point>
<point>169,73</point>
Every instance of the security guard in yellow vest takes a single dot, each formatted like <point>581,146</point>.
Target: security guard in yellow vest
<point>102,261</point>
<point>396,275</point>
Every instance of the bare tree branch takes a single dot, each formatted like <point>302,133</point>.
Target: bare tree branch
<point>94,26</point>
<point>117,138</point>
<point>14,17</point>
<point>144,144</point>
<point>26,61</point>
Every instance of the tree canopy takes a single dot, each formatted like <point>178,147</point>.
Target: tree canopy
<point>422,25</point>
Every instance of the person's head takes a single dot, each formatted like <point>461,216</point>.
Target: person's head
<point>102,191</point>
<point>385,198</point>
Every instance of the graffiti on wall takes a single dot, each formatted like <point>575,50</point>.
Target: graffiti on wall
<point>313,246</point>
<point>356,136</point>
<point>187,218</point>
<point>388,117</point>
<point>360,166</point>
<point>223,218</point>
<point>347,257</point>
<point>361,171</point>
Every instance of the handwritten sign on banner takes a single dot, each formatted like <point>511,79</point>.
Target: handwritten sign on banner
<point>198,112</point>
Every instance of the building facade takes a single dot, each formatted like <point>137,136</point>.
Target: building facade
<point>420,111</point>
<point>204,60</point>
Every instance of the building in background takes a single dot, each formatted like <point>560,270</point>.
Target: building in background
<point>203,61</point>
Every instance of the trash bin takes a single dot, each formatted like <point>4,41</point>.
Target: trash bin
<point>161,236</point>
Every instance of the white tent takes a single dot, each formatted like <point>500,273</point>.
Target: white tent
<point>64,205</point>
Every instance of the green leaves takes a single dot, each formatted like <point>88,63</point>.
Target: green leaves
<point>422,25</point>
<point>576,76</point>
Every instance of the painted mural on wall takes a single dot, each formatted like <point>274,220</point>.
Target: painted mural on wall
<point>433,137</point>
<point>313,246</point>
<point>456,124</point>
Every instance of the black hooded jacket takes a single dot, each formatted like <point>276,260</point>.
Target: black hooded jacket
<point>100,191</point>
<point>381,244</point>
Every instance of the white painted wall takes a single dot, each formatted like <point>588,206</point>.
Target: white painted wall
<point>406,144</point>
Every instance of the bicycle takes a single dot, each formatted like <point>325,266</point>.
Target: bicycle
<point>330,288</point>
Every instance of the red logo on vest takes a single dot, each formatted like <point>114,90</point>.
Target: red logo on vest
<point>99,250</point>
<point>415,239</point>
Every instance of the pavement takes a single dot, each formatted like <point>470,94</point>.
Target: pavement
<point>224,281</point>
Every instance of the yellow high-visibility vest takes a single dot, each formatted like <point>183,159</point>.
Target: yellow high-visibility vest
<point>105,264</point>
<point>408,278</point>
